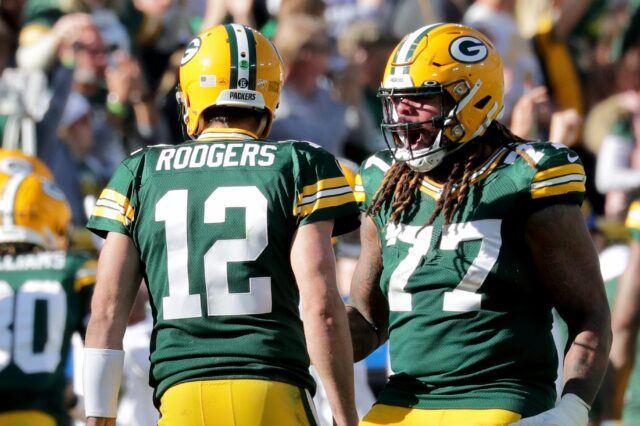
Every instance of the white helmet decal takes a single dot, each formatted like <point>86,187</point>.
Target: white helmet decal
<point>468,50</point>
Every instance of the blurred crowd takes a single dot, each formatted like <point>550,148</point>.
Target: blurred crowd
<point>83,83</point>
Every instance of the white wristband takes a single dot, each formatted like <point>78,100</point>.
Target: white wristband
<point>102,372</point>
<point>575,409</point>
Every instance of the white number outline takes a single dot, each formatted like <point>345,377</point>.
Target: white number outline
<point>171,208</point>
<point>18,308</point>
<point>465,296</point>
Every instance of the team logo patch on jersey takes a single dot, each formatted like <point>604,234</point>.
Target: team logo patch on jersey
<point>468,50</point>
<point>191,50</point>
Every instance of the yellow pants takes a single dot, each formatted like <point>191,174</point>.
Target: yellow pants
<point>391,415</point>
<point>26,418</point>
<point>237,402</point>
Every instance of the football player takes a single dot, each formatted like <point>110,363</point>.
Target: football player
<point>230,231</point>
<point>45,293</point>
<point>620,394</point>
<point>470,236</point>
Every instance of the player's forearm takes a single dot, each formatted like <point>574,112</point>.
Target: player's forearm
<point>586,361</point>
<point>365,336</point>
<point>330,351</point>
<point>106,329</point>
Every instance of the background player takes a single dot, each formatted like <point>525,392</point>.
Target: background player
<point>45,292</point>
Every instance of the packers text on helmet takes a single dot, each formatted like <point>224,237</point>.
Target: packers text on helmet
<point>229,65</point>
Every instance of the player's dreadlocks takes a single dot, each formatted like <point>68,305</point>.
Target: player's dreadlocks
<point>401,182</point>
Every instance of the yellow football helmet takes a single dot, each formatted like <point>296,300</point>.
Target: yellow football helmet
<point>33,210</point>
<point>13,161</point>
<point>229,65</point>
<point>453,61</point>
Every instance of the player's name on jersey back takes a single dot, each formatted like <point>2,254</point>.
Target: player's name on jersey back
<point>48,260</point>
<point>230,154</point>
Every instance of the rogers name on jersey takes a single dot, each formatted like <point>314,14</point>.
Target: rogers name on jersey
<point>216,155</point>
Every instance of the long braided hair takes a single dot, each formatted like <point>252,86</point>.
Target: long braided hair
<point>400,183</point>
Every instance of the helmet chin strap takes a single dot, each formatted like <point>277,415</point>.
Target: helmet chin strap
<point>262,127</point>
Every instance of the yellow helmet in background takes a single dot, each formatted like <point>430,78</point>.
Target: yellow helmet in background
<point>13,161</point>
<point>451,60</point>
<point>32,208</point>
<point>229,65</point>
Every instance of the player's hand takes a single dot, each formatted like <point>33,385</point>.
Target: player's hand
<point>565,127</point>
<point>524,113</point>
<point>570,411</point>
<point>66,29</point>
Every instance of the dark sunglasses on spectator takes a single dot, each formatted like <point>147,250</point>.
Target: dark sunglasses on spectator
<point>94,50</point>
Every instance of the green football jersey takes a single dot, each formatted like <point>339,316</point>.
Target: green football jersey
<point>214,221</point>
<point>44,299</point>
<point>470,323</point>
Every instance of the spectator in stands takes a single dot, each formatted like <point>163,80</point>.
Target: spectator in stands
<point>365,46</point>
<point>69,156</point>
<point>308,110</point>
<point>521,67</point>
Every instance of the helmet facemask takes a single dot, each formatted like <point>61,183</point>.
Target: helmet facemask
<point>402,137</point>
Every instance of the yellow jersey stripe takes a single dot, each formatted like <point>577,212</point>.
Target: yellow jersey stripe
<point>90,264</point>
<point>84,281</point>
<point>109,195</point>
<point>633,217</point>
<point>110,213</point>
<point>358,190</point>
<point>566,169</point>
<point>323,194</point>
<point>434,189</point>
<point>360,196</point>
<point>330,183</point>
<point>430,192</point>
<point>576,177</point>
<point>526,157</point>
<point>129,212</point>
<point>326,202</point>
<point>547,191</point>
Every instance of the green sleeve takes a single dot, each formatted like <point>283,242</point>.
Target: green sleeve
<point>322,191</point>
<point>115,210</point>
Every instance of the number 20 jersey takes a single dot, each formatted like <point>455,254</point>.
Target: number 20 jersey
<point>470,323</point>
<point>214,222</point>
